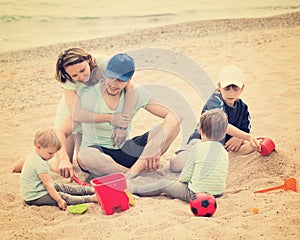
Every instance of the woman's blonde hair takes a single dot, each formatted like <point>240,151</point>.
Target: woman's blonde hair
<point>47,138</point>
<point>213,124</point>
<point>70,57</point>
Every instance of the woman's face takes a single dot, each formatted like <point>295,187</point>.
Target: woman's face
<point>79,72</point>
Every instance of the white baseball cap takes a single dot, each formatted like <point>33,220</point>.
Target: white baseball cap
<point>231,75</point>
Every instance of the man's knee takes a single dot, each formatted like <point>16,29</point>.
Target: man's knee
<point>88,153</point>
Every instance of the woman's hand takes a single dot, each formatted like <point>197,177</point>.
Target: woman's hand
<point>120,120</point>
<point>65,167</point>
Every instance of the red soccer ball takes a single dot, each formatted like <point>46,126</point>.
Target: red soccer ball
<point>203,204</point>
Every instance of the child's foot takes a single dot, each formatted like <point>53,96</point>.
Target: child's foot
<point>94,198</point>
<point>92,190</point>
<point>17,168</point>
<point>160,172</point>
<point>130,185</point>
<point>130,175</point>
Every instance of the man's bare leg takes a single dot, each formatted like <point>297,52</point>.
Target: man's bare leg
<point>98,163</point>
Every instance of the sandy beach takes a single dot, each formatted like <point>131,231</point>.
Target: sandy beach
<point>267,49</point>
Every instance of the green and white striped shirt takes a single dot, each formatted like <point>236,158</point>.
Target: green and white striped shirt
<point>206,169</point>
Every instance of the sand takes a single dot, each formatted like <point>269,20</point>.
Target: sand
<point>267,49</point>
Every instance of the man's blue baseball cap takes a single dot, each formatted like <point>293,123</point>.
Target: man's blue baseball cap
<point>120,66</point>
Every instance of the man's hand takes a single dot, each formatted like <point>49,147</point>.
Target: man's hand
<point>119,136</point>
<point>153,163</point>
<point>120,120</point>
<point>233,144</point>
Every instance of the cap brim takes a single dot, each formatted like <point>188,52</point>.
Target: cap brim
<point>226,84</point>
<point>110,74</point>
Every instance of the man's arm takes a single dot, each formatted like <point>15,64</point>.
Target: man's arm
<point>120,121</point>
<point>170,125</point>
<point>161,136</point>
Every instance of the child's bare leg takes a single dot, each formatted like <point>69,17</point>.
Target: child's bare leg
<point>177,163</point>
<point>244,149</point>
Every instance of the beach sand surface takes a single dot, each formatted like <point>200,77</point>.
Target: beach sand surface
<point>267,49</point>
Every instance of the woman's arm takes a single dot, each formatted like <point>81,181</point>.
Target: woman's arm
<point>80,114</point>
<point>64,167</point>
<point>45,178</point>
<point>130,100</point>
<point>121,120</point>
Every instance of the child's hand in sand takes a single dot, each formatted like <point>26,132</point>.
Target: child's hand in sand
<point>62,204</point>
<point>233,144</point>
<point>254,142</point>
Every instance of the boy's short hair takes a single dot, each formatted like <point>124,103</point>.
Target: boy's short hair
<point>47,138</point>
<point>213,124</point>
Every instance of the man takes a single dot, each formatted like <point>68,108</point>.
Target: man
<point>99,154</point>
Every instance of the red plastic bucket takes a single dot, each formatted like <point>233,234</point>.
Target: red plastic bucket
<point>267,146</point>
<point>110,191</point>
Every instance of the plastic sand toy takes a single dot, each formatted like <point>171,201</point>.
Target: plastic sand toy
<point>289,184</point>
<point>78,209</point>
<point>110,191</point>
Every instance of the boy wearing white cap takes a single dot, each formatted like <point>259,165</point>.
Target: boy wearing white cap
<point>238,138</point>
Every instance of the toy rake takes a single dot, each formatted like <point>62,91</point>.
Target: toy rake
<point>289,184</point>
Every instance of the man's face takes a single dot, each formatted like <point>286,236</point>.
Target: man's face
<point>114,86</point>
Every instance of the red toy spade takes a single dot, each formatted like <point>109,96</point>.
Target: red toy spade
<point>79,182</point>
<point>289,184</point>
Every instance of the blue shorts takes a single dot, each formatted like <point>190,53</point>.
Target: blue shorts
<point>130,151</point>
